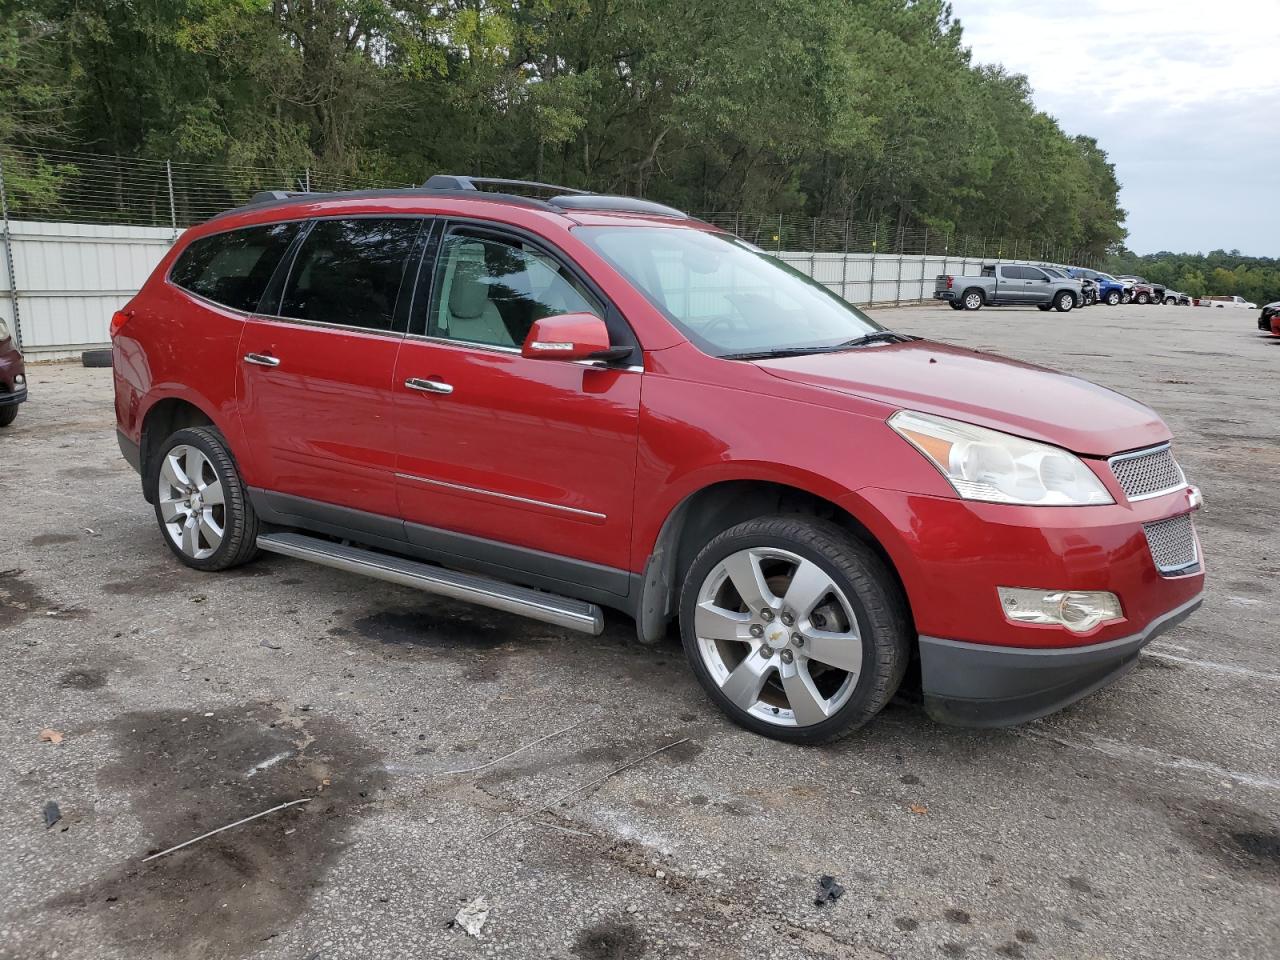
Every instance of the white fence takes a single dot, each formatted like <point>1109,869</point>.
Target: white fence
<point>72,276</point>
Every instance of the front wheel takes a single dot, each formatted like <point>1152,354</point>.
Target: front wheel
<point>1127,298</point>
<point>201,503</point>
<point>1064,301</point>
<point>1143,299</point>
<point>8,414</point>
<point>1170,301</point>
<point>794,627</point>
<point>1046,307</point>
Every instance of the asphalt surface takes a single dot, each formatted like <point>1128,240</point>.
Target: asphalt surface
<point>1141,822</point>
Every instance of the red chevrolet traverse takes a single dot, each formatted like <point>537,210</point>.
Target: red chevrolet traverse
<point>549,406</point>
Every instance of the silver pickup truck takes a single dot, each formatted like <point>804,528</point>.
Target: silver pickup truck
<point>1009,284</point>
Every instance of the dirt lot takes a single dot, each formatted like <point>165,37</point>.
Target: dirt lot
<point>1140,823</point>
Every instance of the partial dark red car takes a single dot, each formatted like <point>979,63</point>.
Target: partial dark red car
<point>554,406</point>
<point>13,376</point>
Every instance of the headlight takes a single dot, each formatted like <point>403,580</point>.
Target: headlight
<point>996,467</point>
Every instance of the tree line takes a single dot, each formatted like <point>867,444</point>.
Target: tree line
<point>1220,273</point>
<point>871,110</point>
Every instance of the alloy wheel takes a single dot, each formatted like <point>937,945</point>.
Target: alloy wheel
<point>192,502</point>
<point>973,301</point>
<point>778,636</point>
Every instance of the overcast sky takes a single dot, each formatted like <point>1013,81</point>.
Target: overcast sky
<point>1184,95</point>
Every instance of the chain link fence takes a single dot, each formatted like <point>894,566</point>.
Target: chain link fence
<point>89,228</point>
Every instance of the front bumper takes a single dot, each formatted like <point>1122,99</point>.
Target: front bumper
<point>973,685</point>
<point>17,396</point>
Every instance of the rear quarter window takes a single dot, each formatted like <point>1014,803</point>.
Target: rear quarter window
<point>233,268</point>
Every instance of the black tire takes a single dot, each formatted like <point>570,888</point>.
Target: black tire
<point>1127,298</point>
<point>239,520</point>
<point>8,414</point>
<point>1113,298</point>
<point>1144,299</point>
<point>1046,307</point>
<point>872,592</point>
<point>973,299</point>
<point>955,304</point>
<point>1170,301</point>
<point>1064,301</point>
<point>96,358</point>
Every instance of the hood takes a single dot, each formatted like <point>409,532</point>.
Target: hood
<point>1008,395</point>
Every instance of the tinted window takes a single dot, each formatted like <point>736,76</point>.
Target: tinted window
<point>1013,273</point>
<point>234,268</point>
<point>348,272</point>
<point>1033,273</point>
<point>491,291</point>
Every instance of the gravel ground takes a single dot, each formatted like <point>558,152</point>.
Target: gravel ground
<point>1141,822</point>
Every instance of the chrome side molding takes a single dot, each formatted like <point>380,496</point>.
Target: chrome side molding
<point>537,605</point>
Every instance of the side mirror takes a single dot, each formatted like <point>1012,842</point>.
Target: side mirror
<point>570,336</point>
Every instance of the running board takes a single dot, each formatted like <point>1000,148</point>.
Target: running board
<point>535,604</point>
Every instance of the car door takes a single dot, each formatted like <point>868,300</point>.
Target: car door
<point>316,364</point>
<point>1037,285</point>
<point>1011,285</point>
<point>525,466</point>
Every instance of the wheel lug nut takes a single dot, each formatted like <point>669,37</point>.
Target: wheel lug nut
<point>797,640</point>
<point>757,630</point>
<point>766,614</point>
<point>787,656</point>
<point>788,619</point>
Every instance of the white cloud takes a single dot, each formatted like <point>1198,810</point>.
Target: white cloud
<point>1184,96</point>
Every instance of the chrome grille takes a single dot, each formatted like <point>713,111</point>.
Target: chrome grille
<point>1147,473</point>
<point>1172,543</point>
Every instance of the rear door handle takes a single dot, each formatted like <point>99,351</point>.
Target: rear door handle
<point>428,386</point>
<point>261,360</point>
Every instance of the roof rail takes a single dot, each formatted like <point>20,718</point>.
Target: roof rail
<point>441,181</point>
<point>598,201</point>
<point>271,196</point>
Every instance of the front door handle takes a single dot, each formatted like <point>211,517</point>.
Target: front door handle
<point>261,360</point>
<point>428,386</point>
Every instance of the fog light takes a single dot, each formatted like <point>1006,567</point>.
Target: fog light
<point>19,380</point>
<point>1077,610</point>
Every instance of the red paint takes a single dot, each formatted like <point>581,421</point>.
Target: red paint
<point>588,462</point>
<point>572,336</point>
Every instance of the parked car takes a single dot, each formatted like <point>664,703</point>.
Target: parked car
<point>1176,298</point>
<point>13,377</point>
<point>1088,288</point>
<point>1109,290</point>
<point>1143,291</point>
<point>1004,284</point>
<point>1270,313</point>
<point>554,406</point>
<point>1227,302</point>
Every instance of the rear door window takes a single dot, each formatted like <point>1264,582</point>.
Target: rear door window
<point>349,272</point>
<point>233,268</point>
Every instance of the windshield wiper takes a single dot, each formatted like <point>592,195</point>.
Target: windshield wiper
<point>776,352</point>
<point>880,336</point>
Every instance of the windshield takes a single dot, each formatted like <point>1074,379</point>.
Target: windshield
<point>728,298</point>
<point>1108,277</point>
<point>1054,272</point>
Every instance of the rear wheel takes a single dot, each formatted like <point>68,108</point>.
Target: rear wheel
<point>973,299</point>
<point>1064,301</point>
<point>794,627</point>
<point>1144,299</point>
<point>201,503</point>
<point>1170,300</point>
<point>955,304</point>
<point>8,414</point>
<point>1127,298</point>
<point>1046,307</point>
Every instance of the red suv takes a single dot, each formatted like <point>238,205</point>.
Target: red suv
<point>550,406</point>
